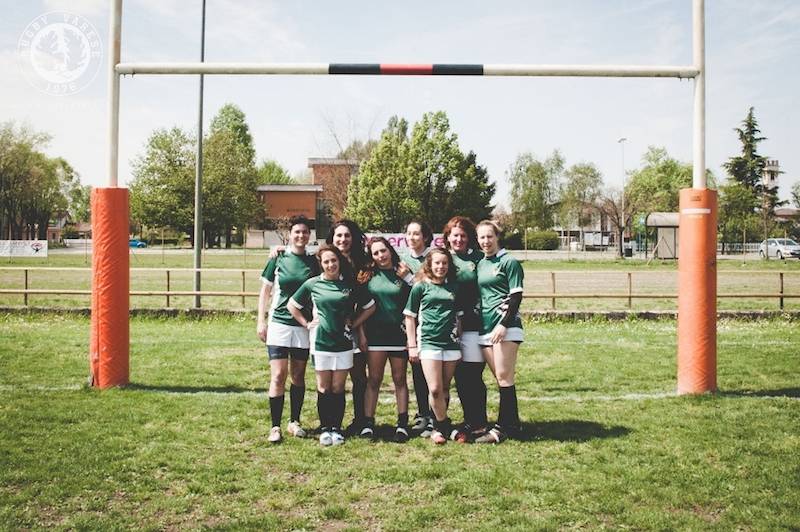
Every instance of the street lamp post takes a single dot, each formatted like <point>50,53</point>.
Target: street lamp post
<point>621,142</point>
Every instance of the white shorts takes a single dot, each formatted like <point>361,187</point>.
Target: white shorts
<point>281,335</point>
<point>513,334</point>
<point>333,361</point>
<point>470,347</point>
<point>443,355</point>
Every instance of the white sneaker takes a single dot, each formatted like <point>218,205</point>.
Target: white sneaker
<point>326,439</point>
<point>337,438</point>
<point>296,430</point>
<point>275,435</point>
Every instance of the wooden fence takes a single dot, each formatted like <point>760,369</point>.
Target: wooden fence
<point>551,292</point>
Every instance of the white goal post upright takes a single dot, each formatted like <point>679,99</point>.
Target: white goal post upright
<point>696,322</point>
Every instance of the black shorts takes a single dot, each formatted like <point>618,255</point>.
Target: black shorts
<point>277,352</point>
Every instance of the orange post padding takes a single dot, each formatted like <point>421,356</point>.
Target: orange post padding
<point>697,292</point>
<point>108,343</point>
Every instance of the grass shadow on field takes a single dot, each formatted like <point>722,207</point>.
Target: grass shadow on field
<point>192,389</point>
<point>570,430</point>
<point>780,392</point>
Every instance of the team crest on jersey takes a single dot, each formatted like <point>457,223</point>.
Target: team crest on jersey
<point>471,266</point>
<point>398,282</point>
<point>346,291</point>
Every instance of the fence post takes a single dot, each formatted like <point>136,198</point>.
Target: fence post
<point>167,288</point>
<point>553,283</point>
<point>243,289</point>
<point>781,292</point>
<point>630,290</point>
<point>26,287</point>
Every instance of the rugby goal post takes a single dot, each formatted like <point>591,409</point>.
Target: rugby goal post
<point>697,289</point>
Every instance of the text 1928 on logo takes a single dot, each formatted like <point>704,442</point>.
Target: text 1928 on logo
<point>60,53</point>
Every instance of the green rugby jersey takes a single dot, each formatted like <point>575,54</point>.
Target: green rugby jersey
<point>498,277</point>
<point>385,327</point>
<point>332,303</point>
<point>286,273</point>
<point>467,286</point>
<point>436,309</point>
<point>414,262</point>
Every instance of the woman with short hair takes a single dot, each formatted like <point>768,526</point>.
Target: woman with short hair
<point>287,341</point>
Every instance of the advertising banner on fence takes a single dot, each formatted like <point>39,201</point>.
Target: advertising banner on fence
<point>398,240</point>
<point>23,248</point>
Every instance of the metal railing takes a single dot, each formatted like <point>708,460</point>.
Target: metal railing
<point>553,294</point>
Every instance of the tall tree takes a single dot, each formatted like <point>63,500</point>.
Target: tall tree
<point>534,190</point>
<point>378,197</point>
<point>748,168</point>
<point>582,184</point>
<point>472,191</point>
<point>162,189</point>
<point>435,159</point>
<point>229,176</point>
<point>231,118</point>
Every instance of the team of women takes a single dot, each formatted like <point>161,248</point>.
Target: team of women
<point>358,303</point>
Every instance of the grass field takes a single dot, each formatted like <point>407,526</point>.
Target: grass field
<point>607,443</point>
<point>572,277</point>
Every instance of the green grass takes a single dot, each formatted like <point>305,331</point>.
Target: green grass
<point>608,445</point>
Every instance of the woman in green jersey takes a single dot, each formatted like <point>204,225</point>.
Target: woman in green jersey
<point>384,333</point>
<point>287,340</point>
<point>432,331</point>
<point>418,237</point>
<point>460,237</point>
<point>500,279</point>
<point>332,298</point>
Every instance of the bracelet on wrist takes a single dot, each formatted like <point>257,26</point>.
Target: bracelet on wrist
<point>411,347</point>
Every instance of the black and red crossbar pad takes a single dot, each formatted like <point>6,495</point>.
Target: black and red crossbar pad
<point>373,69</point>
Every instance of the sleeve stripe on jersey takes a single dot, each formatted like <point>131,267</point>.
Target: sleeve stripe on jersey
<point>515,290</point>
<point>368,305</point>
<point>266,281</point>
<point>295,304</point>
<point>409,313</point>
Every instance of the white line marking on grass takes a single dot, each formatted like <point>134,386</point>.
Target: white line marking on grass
<point>388,396</point>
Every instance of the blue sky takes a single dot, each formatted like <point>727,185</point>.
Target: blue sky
<point>752,51</point>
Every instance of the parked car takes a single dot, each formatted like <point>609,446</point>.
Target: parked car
<point>136,243</point>
<point>782,248</point>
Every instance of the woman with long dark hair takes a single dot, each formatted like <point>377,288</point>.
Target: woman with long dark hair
<point>385,335</point>
<point>349,239</point>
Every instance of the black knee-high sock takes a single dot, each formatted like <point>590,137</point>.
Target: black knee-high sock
<point>508,418</point>
<point>462,388</point>
<point>297,395</point>
<point>480,419</point>
<point>323,410</point>
<point>359,389</point>
<point>337,409</point>
<point>420,389</point>
<point>276,410</point>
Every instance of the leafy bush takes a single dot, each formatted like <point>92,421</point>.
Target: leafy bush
<point>543,240</point>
